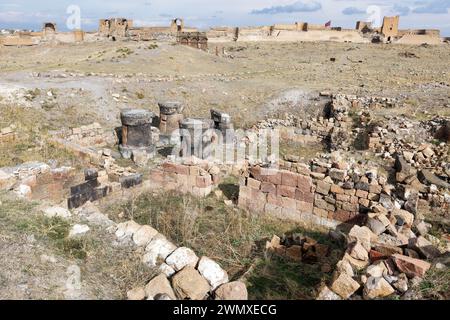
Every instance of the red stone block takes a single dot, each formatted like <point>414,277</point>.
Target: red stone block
<point>270,175</point>
<point>245,192</point>
<point>286,191</point>
<point>156,175</point>
<point>288,203</point>
<point>305,207</point>
<point>304,196</point>
<point>289,179</point>
<point>176,168</point>
<point>204,181</point>
<point>268,187</point>
<point>375,256</point>
<point>341,215</point>
<point>215,179</point>
<point>255,172</point>
<point>272,198</point>
<point>304,183</point>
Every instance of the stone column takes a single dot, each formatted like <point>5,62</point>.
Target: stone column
<point>197,137</point>
<point>170,117</point>
<point>222,123</point>
<point>136,132</point>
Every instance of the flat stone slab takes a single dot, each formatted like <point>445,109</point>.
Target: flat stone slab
<point>196,123</point>
<point>170,107</point>
<point>136,117</point>
<point>431,178</point>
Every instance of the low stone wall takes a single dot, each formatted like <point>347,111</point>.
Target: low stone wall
<point>89,135</point>
<point>197,179</point>
<point>183,275</point>
<point>325,194</point>
<point>85,141</point>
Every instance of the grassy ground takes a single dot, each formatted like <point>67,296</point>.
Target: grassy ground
<point>230,236</point>
<point>435,285</point>
<point>107,272</point>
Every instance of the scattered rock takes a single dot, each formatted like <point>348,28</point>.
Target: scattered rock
<point>345,286</point>
<point>157,251</point>
<point>144,235</point>
<point>59,212</point>
<point>377,287</point>
<point>410,266</point>
<point>78,230</point>
<point>126,230</point>
<point>326,294</point>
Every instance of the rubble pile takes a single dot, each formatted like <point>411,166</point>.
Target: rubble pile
<point>384,257</point>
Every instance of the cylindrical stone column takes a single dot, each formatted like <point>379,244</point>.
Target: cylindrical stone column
<point>136,131</point>
<point>197,137</point>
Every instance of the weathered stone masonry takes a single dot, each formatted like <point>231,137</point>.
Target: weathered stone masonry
<point>283,194</point>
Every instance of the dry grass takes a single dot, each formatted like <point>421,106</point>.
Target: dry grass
<point>435,285</point>
<point>232,237</point>
<point>107,271</point>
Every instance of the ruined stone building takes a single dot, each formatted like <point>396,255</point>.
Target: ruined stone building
<point>198,40</point>
<point>390,27</point>
<point>164,33</point>
<point>49,28</point>
<point>115,27</point>
<point>364,26</point>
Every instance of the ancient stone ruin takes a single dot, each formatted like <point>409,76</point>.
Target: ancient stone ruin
<point>198,40</point>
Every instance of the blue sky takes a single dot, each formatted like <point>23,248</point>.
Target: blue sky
<point>31,14</point>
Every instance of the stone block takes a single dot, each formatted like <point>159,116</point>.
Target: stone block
<point>268,187</point>
<point>286,191</point>
<point>289,178</point>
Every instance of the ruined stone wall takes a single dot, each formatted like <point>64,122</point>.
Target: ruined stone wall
<point>199,180</point>
<point>20,40</point>
<point>37,181</point>
<point>314,35</point>
<point>90,135</point>
<point>417,39</point>
<point>318,194</point>
<point>283,194</point>
<point>85,141</point>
